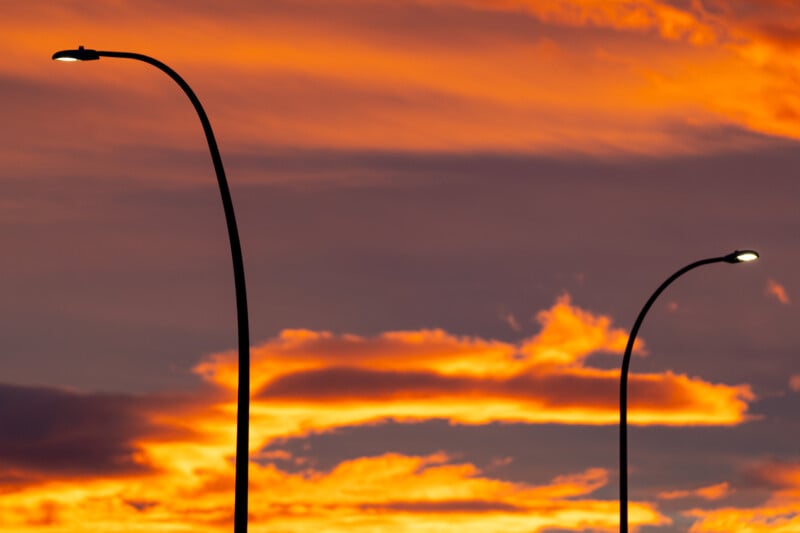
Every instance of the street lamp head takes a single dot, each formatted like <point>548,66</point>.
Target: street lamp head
<point>741,256</point>
<point>81,54</point>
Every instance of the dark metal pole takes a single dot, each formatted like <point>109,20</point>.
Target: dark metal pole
<point>734,257</point>
<point>243,398</point>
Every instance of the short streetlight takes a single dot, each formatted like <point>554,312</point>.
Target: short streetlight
<point>243,398</point>
<point>739,256</point>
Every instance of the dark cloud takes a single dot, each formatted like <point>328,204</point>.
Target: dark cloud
<point>563,389</point>
<point>446,506</point>
<point>48,432</point>
<point>354,383</point>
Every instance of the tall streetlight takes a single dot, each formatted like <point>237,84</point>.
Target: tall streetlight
<point>243,398</point>
<point>739,256</point>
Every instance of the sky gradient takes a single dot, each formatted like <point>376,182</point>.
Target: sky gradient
<point>451,212</point>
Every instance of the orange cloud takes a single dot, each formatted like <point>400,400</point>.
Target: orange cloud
<point>168,463</point>
<point>658,79</point>
<point>669,21</point>
<point>398,493</point>
<point>314,381</point>
<point>392,493</point>
<point>570,334</point>
<point>778,474</point>
<point>777,291</point>
<point>769,519</point>
<point>711,492</point>
<point>185,483</point>
<point>778,513</point>
<point>746,49</point>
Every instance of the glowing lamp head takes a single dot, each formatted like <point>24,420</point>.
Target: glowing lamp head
<point>81,54</point>
<point>741,256</point>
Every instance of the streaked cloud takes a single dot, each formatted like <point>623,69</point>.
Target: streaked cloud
<point>767,519</point>
<point>584,76</point>
<point>314,381</point>
<point>390,493</point>
<point>174,478</point>
<point>710,492</point>
<point>777,514</point>
<point>669,21</point>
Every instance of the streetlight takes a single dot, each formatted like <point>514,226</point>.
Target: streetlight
<point>243,398</point>
<point>739,256</point>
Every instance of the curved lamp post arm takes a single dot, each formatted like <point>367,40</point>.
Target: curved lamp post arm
<point>734,257</point>
<point>243,394</point>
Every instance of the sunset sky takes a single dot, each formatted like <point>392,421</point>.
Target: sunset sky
<point>451,213</point>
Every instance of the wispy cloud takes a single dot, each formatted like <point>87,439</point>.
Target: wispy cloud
<point>332,81</point>
<point>509,318</point>
<point>710,492</point>
<point>777,291</point>
<point>777,514</point>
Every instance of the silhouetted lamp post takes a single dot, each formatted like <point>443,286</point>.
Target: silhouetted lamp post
<point>243,399</point>
<point>739,256</point>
